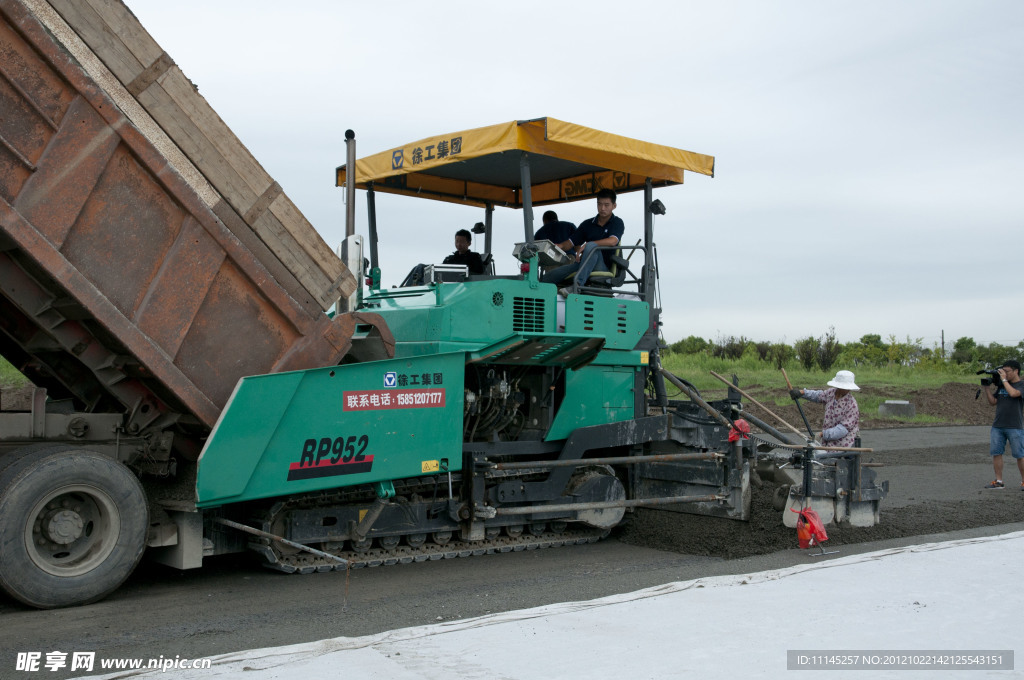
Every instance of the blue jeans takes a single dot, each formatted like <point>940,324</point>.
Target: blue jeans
<point>1000,436</point>
<point>588,263</point>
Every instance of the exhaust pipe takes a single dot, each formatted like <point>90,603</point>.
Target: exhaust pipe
<point>350,183</point>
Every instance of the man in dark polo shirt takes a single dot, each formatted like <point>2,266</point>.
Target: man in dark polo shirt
<point>604,229</point>
<point>554,229</point>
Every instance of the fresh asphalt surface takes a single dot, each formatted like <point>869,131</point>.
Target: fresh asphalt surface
<point>234,604</point>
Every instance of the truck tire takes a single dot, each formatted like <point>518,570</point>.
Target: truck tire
<point>73,527</point>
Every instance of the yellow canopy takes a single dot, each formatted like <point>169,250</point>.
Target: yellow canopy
<point>484,166</point>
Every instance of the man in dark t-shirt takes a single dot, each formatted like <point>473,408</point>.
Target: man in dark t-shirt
<point>1008,427</point>
<point>463,255</point>
<point>604,229</point>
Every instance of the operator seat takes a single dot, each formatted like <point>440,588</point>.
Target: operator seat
<point>614,276</point>
<point>605,279</point>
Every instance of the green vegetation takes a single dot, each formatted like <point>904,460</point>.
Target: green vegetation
<point>813,361</point>
<point>9,375</point>
<point>696,369</point>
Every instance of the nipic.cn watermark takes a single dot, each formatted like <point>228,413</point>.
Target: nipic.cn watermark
<point>30,662</point>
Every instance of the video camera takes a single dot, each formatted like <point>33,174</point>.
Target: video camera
<point>985,382</point>
<point>994,380</point>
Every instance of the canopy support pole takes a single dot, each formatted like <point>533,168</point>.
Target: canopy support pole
<point>371,213</point>
<point>648,241</point>
<point>524,180</point>
<point>488,218</point>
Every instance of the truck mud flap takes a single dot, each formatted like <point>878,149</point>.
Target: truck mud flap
<point>698,478</point>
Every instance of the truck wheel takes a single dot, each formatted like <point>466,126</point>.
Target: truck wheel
<point>73,526</point>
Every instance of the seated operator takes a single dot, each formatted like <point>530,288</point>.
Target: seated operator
<point>463,255</point>
<point>604,229</point>
<point>554,229</point>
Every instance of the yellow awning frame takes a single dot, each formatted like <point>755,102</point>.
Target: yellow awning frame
<point>484,166</point>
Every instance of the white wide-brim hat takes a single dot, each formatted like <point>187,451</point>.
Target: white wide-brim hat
<point>843,381</point>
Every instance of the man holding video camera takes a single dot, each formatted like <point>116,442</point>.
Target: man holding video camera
<point>1008,399</point>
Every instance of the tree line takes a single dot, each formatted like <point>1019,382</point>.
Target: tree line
<point>825,351</point>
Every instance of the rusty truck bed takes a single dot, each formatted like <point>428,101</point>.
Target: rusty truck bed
<point>118,283</point>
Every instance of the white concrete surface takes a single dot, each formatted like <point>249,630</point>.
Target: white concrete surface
<point>953,597</point>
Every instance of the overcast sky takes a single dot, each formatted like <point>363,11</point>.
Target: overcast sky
<point>869,155</point>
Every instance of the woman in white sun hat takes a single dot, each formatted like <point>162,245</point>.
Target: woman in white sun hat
<point>842,416</point>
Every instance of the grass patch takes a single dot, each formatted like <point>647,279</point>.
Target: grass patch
<point>751,371</point>
<point>10,376</point>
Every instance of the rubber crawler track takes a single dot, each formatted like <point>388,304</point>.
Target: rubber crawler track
<point>308,563</point>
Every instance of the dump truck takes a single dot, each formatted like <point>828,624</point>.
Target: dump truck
<point>141,276</point>
<point>210,377</point>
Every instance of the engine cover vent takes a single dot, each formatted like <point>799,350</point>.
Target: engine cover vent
<point>528,315</point>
